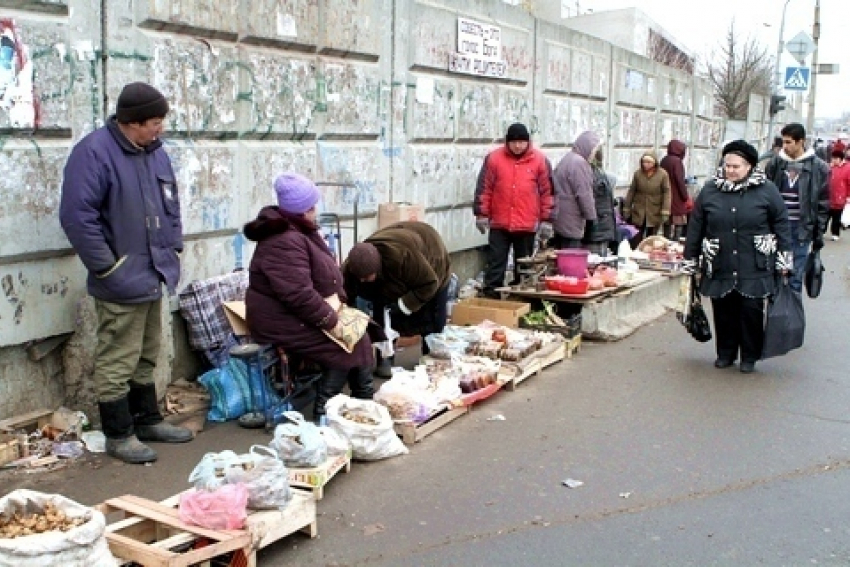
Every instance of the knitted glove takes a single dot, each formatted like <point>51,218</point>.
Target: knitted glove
<point>545,231</point>
<point>784,261</point>
<point>689,267</point>
<point>482,224</point>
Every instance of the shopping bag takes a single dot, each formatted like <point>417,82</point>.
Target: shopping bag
<point>785,322</point>
<point>354,324</point>
<point>692,315</point>
<point>845,216</point>
<point>813,274</point>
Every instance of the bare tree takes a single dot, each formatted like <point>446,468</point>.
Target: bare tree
<point>740,67</point>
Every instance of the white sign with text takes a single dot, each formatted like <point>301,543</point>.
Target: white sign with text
<point>479,50</point>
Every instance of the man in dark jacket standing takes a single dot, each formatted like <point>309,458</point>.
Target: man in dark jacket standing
<point>121,213</point>
<point>680,201</point>
<point>407,268</point>
<point>513,200</point>
<point>803,180</point>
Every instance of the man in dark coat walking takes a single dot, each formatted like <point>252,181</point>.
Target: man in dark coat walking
<point>407,268</point>
<point>121,213</point>
<point>803,179</point>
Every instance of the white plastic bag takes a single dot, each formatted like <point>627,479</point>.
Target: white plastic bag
<point>299,443</point>
<point>265,477</point>
<point>386,347</point>
<point>845,216</point>
<point>337,444</point>
<point>373,438</point>
<point>211,472</point>
<point>82,546</point>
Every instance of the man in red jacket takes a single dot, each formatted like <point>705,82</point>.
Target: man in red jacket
<point>514,200</point>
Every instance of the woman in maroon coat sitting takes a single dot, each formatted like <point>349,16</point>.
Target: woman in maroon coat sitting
<point>292,272</point>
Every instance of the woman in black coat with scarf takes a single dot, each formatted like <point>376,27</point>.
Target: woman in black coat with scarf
<point>739,227</point>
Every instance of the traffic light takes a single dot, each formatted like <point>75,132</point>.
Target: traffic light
<point>777,104</point>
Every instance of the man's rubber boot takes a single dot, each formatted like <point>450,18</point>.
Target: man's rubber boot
<point>121,442</point>
<point>384,368</point>
<point>330,384</point>
<point>148,422</point>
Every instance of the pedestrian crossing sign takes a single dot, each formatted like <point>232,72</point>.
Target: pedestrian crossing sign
<point>797,78</point>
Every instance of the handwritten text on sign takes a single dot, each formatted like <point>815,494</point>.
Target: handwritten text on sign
<point>479,50</point>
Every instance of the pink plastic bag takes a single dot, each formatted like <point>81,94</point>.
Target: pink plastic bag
<point>224,508</point>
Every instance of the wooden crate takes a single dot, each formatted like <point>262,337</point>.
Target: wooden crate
<point>314,479</point>
<point>10,448</point>
<point>549,355</point>
<point>412,433</point>
<point>573,346</point>
<point>151,534</point>
<point>28,421</point>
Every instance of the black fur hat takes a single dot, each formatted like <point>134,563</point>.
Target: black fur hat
<point>743,149</point>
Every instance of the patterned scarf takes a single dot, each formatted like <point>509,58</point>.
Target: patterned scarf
<point>754,179</point>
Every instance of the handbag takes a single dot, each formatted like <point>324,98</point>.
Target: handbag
<point>696,321</point>
<point>785,323</point>
<point>354,324</point>
<point>813,274</point>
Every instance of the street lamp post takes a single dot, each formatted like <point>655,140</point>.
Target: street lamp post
<point>777,74</point>
<point>810,116</point>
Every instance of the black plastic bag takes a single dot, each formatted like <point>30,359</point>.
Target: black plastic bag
<point>785,326</point>
<point>813,274</point>
<point>695,320</point>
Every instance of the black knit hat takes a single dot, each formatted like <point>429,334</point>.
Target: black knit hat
<point>364,260</point>
<point>743,149</point>
<point>139,102</point>
<point>517,132</point>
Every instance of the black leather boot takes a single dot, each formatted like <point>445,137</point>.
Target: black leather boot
<point>121,442</point>
<point>330,384</point>
<point>144,407</point>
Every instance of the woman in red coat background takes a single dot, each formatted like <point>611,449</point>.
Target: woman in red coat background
<point>839,189</point>
<point>291,274</point>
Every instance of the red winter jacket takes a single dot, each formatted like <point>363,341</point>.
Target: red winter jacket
<point>839,186</point>
<point>515,192</point>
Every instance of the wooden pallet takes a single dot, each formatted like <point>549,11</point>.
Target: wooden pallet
<point>411,433</point>
<point>151,533</point>
<point>513,375</point>
<point>314,479</point>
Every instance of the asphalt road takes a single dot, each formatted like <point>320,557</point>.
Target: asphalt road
<point>682,464</point>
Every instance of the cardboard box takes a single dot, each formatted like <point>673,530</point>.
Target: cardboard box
<point>235,313</point>
<point>475,310</point>
<point>389,213</point>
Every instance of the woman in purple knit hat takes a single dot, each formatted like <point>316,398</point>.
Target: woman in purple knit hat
<point>292,272</point>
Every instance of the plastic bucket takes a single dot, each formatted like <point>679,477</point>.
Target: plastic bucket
<point>572,262</point>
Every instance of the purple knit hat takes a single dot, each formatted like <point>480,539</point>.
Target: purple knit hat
<point>295,193</point>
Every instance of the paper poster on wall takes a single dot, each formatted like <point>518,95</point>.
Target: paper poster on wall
<point>425,90</point>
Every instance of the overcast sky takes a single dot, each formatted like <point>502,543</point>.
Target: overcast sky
<point>701,26</point>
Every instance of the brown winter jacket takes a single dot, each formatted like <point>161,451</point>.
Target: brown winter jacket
<point>648,198</point>
<point>291,273</point>
<point>415,265</point>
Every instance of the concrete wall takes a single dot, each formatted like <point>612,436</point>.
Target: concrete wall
<point>350,92</point>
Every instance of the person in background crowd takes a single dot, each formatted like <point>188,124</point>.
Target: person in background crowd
<point>773,151</point>
<point>738,239</point>
<point>575,211</point>
<point>406,267</point>
<point>647,204</point>
<point>121,212</point>
<point>291,275</point>
<point>803,180</point>
<point>680,201</point>
<point>513,200</point>
<point>839,190</point>
<point>604,231</point>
